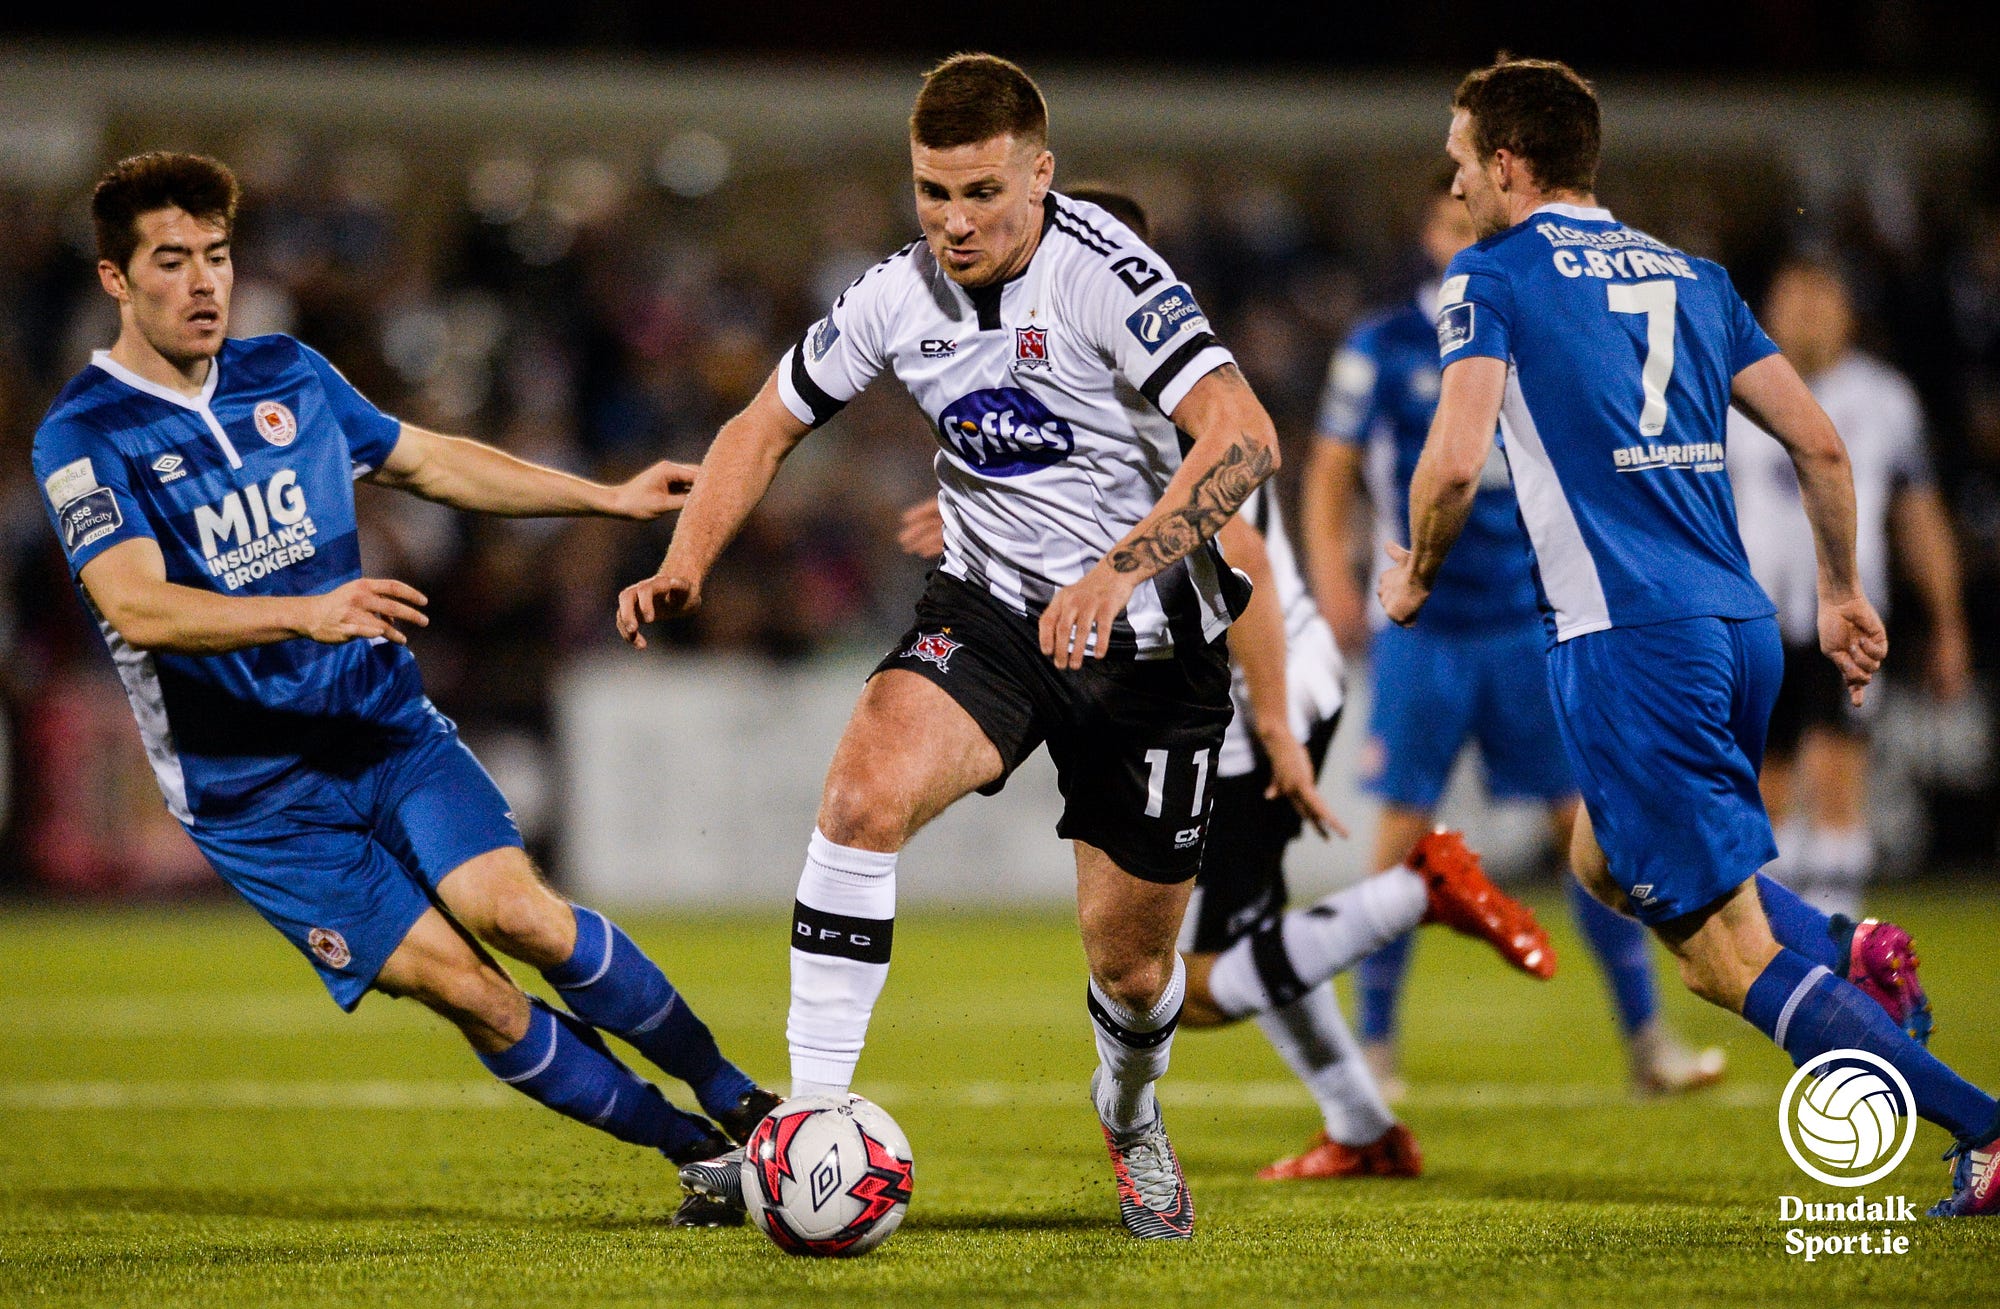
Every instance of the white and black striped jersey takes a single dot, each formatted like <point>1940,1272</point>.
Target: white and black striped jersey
<point>1044,394</point>
<point>1313,666</point>
<point>1877,414</point>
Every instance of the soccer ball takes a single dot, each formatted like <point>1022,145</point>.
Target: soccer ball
<point>1848,1117</point>
<point>827,1175</point>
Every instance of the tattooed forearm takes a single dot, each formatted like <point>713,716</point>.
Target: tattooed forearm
<point>1216,495</point>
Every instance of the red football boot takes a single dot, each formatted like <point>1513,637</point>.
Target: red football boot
<point>1392,1154</point>
<point>1465,901</point>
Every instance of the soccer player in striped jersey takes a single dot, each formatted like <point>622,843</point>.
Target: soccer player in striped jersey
<point>1611,359</point>
<point>203,491</point>
<point>1080,603</point>
<point>1286,693</point>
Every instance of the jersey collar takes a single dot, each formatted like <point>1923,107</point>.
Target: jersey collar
<point>1584,213</point>
<point>102,359</point>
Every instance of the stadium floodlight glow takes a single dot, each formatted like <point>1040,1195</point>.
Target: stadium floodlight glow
<point>692,165</point>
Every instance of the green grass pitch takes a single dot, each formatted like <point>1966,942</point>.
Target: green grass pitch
<point>186,1119</point>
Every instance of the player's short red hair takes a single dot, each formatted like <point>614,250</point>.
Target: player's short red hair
<point>158,179</point>
<point>971,98</point>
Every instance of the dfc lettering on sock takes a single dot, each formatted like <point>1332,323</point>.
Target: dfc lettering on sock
<point>816,931</point>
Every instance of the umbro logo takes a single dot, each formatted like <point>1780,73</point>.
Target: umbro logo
<point>171,468</point>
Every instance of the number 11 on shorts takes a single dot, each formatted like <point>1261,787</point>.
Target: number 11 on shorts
<point>1156,781</point>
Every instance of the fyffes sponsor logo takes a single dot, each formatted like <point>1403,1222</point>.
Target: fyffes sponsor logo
<point>1004,432</point>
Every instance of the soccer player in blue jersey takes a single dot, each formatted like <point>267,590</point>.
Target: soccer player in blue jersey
<point>1611,361</point>
<point>202,489</point>
<point>1469,671</point>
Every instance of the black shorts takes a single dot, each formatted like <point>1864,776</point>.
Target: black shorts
<point>1134,741</point>
<point>1811,696</point>
<point>1243,872</point>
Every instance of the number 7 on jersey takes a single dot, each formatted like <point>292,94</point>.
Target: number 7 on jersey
<point>1656,300</point>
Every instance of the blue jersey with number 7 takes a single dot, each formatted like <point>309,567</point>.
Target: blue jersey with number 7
<point>1621,354</point>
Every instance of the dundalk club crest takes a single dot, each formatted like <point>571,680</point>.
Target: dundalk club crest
<point>934,648</point>
<point>1031,347</point>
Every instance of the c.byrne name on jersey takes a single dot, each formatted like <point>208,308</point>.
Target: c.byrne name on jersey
<point>1004,432</point>
<point>1621,263</point>
<point>268,524</point>
<point>1700,457</point>
<point>1620,252</point>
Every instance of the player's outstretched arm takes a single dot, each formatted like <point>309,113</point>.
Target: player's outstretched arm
<point>1445,481</point>
<point>128,585</point>
<point>472,475</point>
<point>1257,643</point>
<point>733,478</point>
<point>1327,503</point>
<point>1235,449</point>
<point>1775,397</point>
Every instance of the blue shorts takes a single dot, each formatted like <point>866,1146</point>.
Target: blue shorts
<point>346,867</point>
<point>1434,692</point>
<point>1665,726</point>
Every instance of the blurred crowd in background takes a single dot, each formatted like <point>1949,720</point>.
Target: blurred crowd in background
<point>597,313</point>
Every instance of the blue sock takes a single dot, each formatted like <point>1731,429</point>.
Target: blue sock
<point>1803,929</point>
<point>565,1065</point>
<point>1807,1010</point>
<point>611,984</point>
<point>1378,988</point>
<point>1623,952</point>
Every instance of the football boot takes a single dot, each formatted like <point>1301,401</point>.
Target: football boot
<point>1464,900</point>
<point>1392,1154</point>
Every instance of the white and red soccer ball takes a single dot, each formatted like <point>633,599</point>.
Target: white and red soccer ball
<point>827,1175</point>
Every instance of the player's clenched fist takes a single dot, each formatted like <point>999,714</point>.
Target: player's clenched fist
<point>654,491</point>
<point>1077,623</point>
<point>363,609</point>
<point>1851,634</point>
<point>1401,594</point>
<point>659,596</point>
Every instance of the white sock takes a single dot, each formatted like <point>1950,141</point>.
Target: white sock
<point>1313,1039</point>
<point>1275,965</point>
<point>1132,1051</point>
<point>1836,863</point>
<point>842,927</point>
